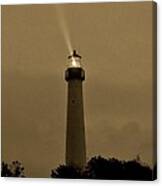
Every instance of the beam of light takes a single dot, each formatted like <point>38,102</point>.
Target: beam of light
<point>63,27</point>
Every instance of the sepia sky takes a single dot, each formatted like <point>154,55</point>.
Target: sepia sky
<point>115,41</point>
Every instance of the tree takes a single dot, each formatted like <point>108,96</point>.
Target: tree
<point>15,169</point>
<point>64,171</point>
<point>102,168</point>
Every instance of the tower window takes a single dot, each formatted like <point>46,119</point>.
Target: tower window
<point>73,101</point>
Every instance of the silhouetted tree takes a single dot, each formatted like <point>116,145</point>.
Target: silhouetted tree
<point>15,169</point>
<point>64,171</point>
<point>102,168</point>
<point>134,170</point>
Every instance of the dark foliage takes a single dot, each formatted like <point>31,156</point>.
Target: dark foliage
<point>15,169</point>
<point>102,168</point>
<point>66,172</point>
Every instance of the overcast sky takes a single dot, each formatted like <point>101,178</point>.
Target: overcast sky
<point>115,41</point>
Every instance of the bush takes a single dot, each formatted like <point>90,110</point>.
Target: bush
<point>15,169</point>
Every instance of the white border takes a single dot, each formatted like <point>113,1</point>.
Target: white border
<point>41,182</point>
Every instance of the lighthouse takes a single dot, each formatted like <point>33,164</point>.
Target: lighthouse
<point>75,129</point>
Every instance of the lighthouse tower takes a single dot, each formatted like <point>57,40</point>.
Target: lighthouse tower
<point>75,131</point>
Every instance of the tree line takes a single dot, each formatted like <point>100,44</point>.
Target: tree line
<point>96,168</point>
